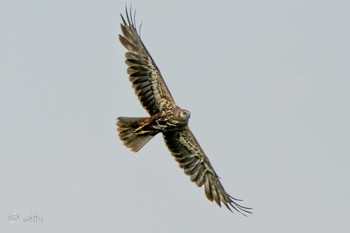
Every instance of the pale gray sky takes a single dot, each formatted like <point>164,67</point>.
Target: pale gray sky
<point>267,83</point>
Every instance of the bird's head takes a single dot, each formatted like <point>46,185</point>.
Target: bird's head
<point>185,114</point>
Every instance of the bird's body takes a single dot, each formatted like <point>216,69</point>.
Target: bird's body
<point>144,128</point>
<point>165,117</point>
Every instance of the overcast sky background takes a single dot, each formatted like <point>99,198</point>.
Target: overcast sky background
<point>267,83</point>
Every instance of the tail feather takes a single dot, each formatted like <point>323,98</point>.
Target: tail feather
<point>126,127</point>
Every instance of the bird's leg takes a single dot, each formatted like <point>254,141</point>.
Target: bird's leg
<point>140,130</point>
<point>146,127</point>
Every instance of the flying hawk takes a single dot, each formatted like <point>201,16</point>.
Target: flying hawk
<point>166,118</point>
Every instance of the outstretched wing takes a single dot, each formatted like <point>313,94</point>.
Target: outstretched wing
<point>192,159</point>
<point>144,74</point>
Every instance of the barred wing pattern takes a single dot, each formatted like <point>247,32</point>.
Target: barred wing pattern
<point>155,97</point>
<point>192,159</point>
<point>144,74</point>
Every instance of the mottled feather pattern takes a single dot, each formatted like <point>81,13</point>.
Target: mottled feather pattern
<point>166,118</point>
<point>143,73</point>
<point>192,159</point>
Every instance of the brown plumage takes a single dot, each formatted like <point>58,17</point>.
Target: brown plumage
<point>166,118</point>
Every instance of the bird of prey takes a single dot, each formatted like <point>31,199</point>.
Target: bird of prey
<point>165,117</point>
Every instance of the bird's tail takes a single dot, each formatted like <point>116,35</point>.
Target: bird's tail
<point>127,126</point>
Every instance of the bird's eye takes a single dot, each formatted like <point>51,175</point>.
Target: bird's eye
<point>185,114</point>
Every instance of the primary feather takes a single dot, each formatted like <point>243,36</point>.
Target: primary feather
<point>166,118</point>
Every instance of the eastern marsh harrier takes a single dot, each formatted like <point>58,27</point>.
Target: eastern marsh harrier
<point>166,118</point>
